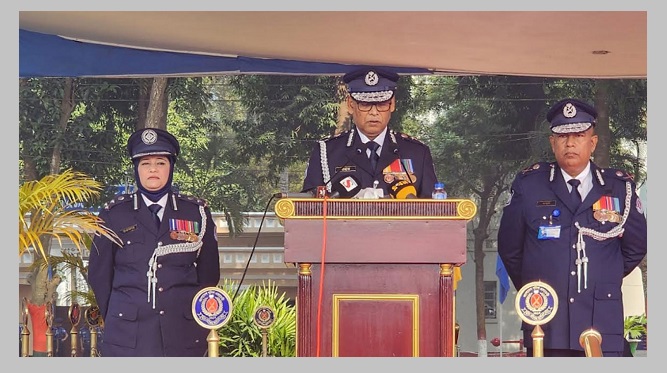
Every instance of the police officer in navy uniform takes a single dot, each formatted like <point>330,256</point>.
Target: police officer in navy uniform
<point>145,288</point>
<point>399,157</point>
<point>580,237</point>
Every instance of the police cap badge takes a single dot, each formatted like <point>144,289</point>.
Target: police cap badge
<point>571,116</point>
<point>152,141</point>
<point>371,84</point>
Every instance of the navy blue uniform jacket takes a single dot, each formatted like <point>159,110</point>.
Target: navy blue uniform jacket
<point>536,193</point>
<point>119,277</point>
<point>346,155</point>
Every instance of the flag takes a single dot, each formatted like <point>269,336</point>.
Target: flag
<point>503,280</point>
<point>456,277</point>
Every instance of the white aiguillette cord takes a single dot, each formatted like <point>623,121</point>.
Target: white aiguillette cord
<point>600,236</point>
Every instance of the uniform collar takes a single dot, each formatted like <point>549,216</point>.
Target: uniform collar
<point>379,139</point>
<point>162,201</point>
<point>585,177</point>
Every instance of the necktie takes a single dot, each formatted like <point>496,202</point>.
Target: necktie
<point>574,193</point>
<point>154,209</point>
<point>373,147</point>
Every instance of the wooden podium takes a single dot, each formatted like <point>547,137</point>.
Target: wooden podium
<point>375,276</point>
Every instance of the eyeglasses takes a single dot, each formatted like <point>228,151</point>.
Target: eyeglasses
<point>367,106</point>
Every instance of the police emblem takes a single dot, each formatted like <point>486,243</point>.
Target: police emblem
<point>74,314</point>
<point>211,307</point>
<point>92,315</point>
<point>264,317</point>
<point>536,303</point>
<point>569,110</point>
<point>149,137</point>
<point>371,78</point>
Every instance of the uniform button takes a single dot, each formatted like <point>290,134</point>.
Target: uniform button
<point>608,295</point>
<point>160,289</point>
<point>571,300</point>
<point>161,312</point>
<point>574,246</point>
<point>159,243</point>
<point>129,242</point>
<point>159,265</point>
<point>573,273</point>
<point>120,314</point>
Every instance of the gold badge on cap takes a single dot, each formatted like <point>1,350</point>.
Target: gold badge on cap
<point>149,137</point>
<point>371,78</point>
<point>569,110</point>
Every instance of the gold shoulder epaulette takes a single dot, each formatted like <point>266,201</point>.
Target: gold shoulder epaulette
<point>195,200</point>
<point>409,138</point>
<point>539,166</point>
<point>619,174</point>
<point>117,200</point>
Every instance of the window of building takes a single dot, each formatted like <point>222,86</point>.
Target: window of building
<point>490,296</point>
<point>265,258</point>
<point>227,258</point>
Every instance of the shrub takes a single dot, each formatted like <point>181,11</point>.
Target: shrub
<point>242,337</point>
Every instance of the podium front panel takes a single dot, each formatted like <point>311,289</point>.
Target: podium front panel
<point>375,241</point>
<point>375,276</point>
<point>376,310</point>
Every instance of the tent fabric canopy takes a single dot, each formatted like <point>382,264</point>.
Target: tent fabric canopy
<point>568,44</point>
<point>44,55</point>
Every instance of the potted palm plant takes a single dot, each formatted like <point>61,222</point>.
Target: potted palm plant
<point>634,328</point>
<point>45,215</point>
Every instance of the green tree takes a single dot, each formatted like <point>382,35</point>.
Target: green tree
<point>479,142</point>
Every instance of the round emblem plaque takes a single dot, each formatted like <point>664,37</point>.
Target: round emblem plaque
<point>264,317</point>
<point>93,316</point>
<point>211,307</point>
<point>536,303</point>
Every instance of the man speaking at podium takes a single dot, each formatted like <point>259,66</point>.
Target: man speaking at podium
<point>377,157</point>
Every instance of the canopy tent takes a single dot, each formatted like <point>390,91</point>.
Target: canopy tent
<point>44,55</point>
<point>570,44</point>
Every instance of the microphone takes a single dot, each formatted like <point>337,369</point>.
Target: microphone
<point>346,187</point>
<point>293,195</point>
<point>402,189</point>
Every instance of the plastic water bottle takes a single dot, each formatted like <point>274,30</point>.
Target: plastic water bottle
<point>439,191</point>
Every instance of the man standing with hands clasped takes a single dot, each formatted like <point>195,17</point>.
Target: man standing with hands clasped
<point>578,228</point>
